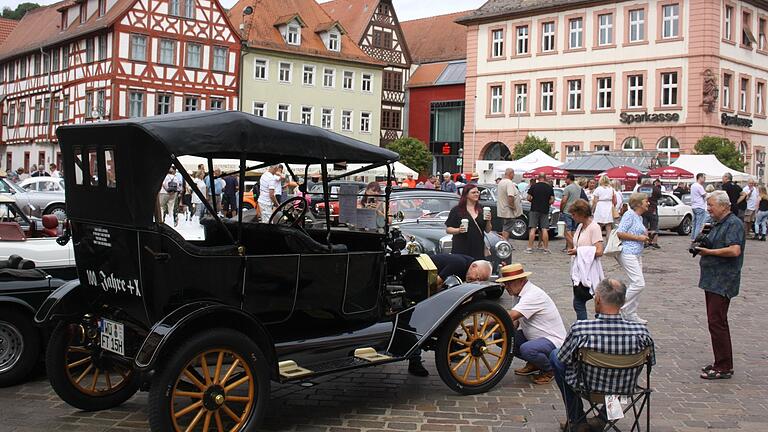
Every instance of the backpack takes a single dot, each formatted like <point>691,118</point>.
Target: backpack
<point>172,186</point>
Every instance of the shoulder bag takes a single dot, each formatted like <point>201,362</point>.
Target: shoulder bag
<point>613,245</point>
<point>486,248</point>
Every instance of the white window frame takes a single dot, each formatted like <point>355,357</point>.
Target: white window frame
<point>137,102</point>
<point>760,98</point>
<point>307,115</point>
<point>497,43</point>
<point>547,89</point>
<point>286,111</point>
<point>548,42</point>
<point>576,33</point>
<point>669,89</point>
<point>188,48</point>
<point>743,91</point>
<point>762,44</point>
<point>670,24</point>
<point>327,76</point>
<point>326,118</point>
<point>727,83</point>
<point>605,29</point>
<point>636,25</point>
<point>521,98</point>
<point>347,118</point>
<point>366,80</point>
<point>293,34</point>
<point>259,109</point>
<point>222,58</point>
<point>632,143</point>
<point>604,92</point>
<point>635,87</point>
<point>163,103</point>
<point>602,147</point>
<point>728,30</point>
<point>575,95</point>
<point>522,46</point>
<point>164,44</point>
<point>260,69</point>
<point>135,38</point>
<point>497,100</point>
<point>348,80</point>
<point>365,122</point>
<point>282,71</point>
<point>334,42</point>
<point>308,71</point>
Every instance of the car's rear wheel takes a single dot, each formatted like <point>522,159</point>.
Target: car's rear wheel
<point>84,375</point>
<point>217,380</point>
<point>685,227</point>
<point>57,210</point>
<point>247,206</point>
<point>474,349</point>
<point>19,346</point>
<point>519,228</point>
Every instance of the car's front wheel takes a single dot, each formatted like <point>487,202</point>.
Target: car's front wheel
<point>19,346</point>
<point>685,227</point>
<point>216,380</point>
<point>519,228</point>
<point>474,349</point>
<point>57,210</point>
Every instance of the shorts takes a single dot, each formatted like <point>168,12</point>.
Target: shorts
<point>508,224</point>
<point>651,221</point>
<point>749,215</point>
<point>538,220</point>
<point>570,224</point>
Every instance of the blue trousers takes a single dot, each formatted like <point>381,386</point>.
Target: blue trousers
<point>574,407</point>
<point>535,351</point>
<point>699,217</point>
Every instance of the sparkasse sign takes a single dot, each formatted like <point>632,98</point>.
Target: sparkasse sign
<point>646,117</point>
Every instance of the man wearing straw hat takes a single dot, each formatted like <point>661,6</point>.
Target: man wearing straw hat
<point>539,327</point>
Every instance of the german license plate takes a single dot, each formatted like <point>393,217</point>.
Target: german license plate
<point>112,336</point>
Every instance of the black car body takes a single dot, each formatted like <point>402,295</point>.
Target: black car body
<point>210,323</point>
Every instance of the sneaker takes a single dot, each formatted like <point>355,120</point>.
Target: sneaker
<point>655,246</point>
<point>528,250</point>
<point>416,368</point>
<point>547,251</point>
<point>543,378</point>
<point>528,369</point>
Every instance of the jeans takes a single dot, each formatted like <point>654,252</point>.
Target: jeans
<point>633,265</point>
<point>699,217</point>
<point>199,210</point>
<point>761,223</point>
<point>574,407</point>
<point>580,307</point>
<point>535,351</point>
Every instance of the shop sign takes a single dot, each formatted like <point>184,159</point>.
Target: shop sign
<point>729,120</point>
<point>649,118</point>
<point>446,149</point>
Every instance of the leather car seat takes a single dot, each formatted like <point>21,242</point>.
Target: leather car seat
<point>50,225</point>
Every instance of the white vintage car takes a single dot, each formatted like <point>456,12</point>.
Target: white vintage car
<point>674,215</point>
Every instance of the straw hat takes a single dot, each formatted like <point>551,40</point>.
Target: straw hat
<point>512,272</point>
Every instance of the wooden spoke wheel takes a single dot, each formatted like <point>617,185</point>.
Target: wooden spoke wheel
<point>216,382</point>
<point>474,348</point>
<point>84,375</point>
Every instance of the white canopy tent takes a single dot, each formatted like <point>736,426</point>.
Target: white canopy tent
<point>490,170</point>
<point>709,165</point>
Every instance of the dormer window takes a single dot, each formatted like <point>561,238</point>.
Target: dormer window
<point>292,34</point>
<point>102,7</point>
<point>334,42</point>
<point>83,12</point>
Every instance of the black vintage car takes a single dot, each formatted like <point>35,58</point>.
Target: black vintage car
<point>206,325</point>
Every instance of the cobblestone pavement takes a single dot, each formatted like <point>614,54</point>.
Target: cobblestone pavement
<point>387,398</point>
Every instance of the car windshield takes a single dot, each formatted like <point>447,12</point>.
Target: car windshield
<point>416,207</point>
<point>8,187</point>
<point>9,213</point>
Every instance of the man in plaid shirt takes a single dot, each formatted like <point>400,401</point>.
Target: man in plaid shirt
<point>609,334</point>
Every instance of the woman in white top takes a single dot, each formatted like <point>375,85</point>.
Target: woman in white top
<point>603,201</point>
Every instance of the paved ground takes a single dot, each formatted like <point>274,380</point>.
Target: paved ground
<point>387,398</point>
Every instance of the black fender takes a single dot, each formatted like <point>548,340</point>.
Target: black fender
<point>66,300</point>
<point>414,326</point>
<point>17,302</point>
<point>198,316</point>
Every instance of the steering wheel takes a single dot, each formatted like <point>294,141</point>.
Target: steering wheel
<point>290,213</point>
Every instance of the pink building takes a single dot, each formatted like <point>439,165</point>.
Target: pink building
<point>646,75</point>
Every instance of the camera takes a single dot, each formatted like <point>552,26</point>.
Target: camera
<point>701,241</point>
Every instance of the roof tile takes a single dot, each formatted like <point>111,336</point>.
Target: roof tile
<point>6,27</point>
<point>501,8</point>
<point>354,14</point>
<point>437,38</point>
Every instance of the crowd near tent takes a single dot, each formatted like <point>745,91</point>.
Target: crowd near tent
<point>709,165</point>
<point>491,170</point>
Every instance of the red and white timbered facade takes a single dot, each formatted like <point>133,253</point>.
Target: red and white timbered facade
<point>111,59</point>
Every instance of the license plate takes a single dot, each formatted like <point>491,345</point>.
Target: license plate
<point>112,336</point>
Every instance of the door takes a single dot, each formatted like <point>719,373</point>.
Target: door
<point>667,214</point>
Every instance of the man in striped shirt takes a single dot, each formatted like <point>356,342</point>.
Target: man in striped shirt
<point>609,334</point>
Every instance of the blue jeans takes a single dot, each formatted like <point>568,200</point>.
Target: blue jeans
<point>580,306</point>
<point>574,407</point>
<point>761,223</point>
<point>535,351</point>
<point>699,217</point>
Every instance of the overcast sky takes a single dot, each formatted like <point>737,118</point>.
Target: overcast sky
<point>406,9</point>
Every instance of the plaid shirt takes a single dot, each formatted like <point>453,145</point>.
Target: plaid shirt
<point>608,334</point>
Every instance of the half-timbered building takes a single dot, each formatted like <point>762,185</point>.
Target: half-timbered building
<point>88,60</point>
<point>375,27</point>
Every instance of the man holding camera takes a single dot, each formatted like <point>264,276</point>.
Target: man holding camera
<point>722,256</point>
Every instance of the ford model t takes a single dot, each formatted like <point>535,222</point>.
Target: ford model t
<point>206,325</point>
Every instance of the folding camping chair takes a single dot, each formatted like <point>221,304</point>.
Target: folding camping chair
<point>638,399</point>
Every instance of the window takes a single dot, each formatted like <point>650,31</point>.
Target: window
<point>37,110</point>
<point>576,33</point>
<point>634,91</point>
<point>2,73</point>
<point>602,147</point>
<point>292,34</point>
<point>497,45</point>
<point>308,76</point>
<point>65,109</point>
<point>102,7</point>
<point>636,25</point>
<point>348,83</point>
<point>366,83</point>
<point>89,50</point>
<point>329,77</point>
<point>390,119</point>
<point>215,104</point>
<point>670,24</point>
<point>548,36</point>
<point>605,29</point>
<point>334,44</point>
<point>393,81</point>
<point>193,56</point>
<point>259,109</point>
<point>761,38</point>
<point>191,103</point>
<point>574,95</point>
<point>189,8</point>
<point>259,69</point>
<point>284,112</point>
<point>65,56</point>
<point>365,122</point>
<point>12,114</point>
<point>728,24</point>
<point>101,102</point>
<point>570,149</point>
<point>382,39</point>
<point>46,62</point>
<point>55,59</point>
<point>497,100</point>
<point>632,144</point>
<point>326,118</point>
<point>306,115</point>
<point>547,96</point>
<point>23,68</point>
<point>138,47</point>
<point>173,7</point>
<point>669,147</point>
<point>102,47</point>
<point>109,162</point>
<point>285,72</point>
<point>164,104</point>
<point>220,59</point>
<point>64,19</point>
<point>56,107</point>
<point>521,98</point>
<point>135,104</point>
<point>760,99</point>
<point>604,93</point>
<point>747,37</point>
<point>167,52</point>
<point>346,120</point>
<point>727,90</point>
<point>83,12</point>
<point>36,64</point>
<point>522,40</point>
<point>669,89</point>
<point>744,95</point>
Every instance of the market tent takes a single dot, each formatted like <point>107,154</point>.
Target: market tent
<point>709,165</point>
<point>621,172</point>
<point>526,163</point>
<point>400,170</point>
<point>593,164</point>
<point>670,173</point>
<point>549,171</point>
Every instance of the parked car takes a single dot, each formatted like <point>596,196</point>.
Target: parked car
<point>36,202</point>
<point>206,325</point>
<point>674,215</point>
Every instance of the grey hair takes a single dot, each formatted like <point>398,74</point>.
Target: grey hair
<point>636,199</point>
<point>485,264</point>
<point>720,197</point>
<point>509,171</point>
<point>612,292</point>
<point>729,176</point>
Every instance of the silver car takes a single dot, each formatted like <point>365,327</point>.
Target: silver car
<point>40,196</point>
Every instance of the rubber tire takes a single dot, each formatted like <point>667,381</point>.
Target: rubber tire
<point>443,344</point>
<point>31,351</point>
<point>524,236</point>
<point>57,208</point>
<point>55,366</point>
<point>247,206</point>
<point>162,384</point>
<point>681,229</point>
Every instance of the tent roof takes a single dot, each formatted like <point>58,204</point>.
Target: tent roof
<point>540,158</point>
<point>596,162</point>
<point>709,165</point>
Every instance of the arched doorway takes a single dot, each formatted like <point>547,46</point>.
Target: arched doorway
<point>496,150</point>
<point>669,150</point>
<point>632,144</point>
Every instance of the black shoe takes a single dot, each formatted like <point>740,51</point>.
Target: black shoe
<point>416,368</point>
<point>655,246</point>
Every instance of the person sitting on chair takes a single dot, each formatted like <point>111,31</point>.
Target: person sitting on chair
<point>608,334</point>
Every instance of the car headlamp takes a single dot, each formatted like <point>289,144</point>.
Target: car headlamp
<point>503,249</point>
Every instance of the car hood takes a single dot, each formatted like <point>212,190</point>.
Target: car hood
<point>427,234</point>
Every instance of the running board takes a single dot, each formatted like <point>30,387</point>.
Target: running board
<point>362,357</point>
<point>370,354</point>
<point>290,370</point>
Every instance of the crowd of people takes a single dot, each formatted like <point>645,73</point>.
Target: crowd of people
<point>21,173</point>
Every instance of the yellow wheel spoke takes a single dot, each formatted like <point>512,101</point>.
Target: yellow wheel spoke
<point>207,421</point>
<point>195,420</point>
<point>488,365</point>
<point>237,383</point>
<point>79,362</point>
<point>457,340</point>
<point>455,353</point>
<point>193,395</point>
<point>230,413</point>
<point>189,409</point>
<point>85,372</point>
<point>477,369</point>
<point>229,372</point>
<point>245,399</point>
<point>474,325</point>
<point>95,380</point>
<point>194,379</point>
<point>485,324</point>
<point>469,368</point>
<point>458,365</point>
<point>493,354</point>
<point>217,371</point>
<point>206,372</point>
<point>490,332</point>
<point>219,425</point>
<point>109,381</point>
<point>495,341</point>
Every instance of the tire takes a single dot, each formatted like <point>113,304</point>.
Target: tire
<point>247,206</point>
<point>519,228</point>
<point>19,346</point>
<point>59,210</point>
<point>207,401</point>
<point>483,357</point>
<point>685,227</point>
<point>91,366</point>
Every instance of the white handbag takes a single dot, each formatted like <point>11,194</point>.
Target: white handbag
<point>613,247</point>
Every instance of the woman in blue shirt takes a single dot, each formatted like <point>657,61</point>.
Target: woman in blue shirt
<point>633,236</point>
